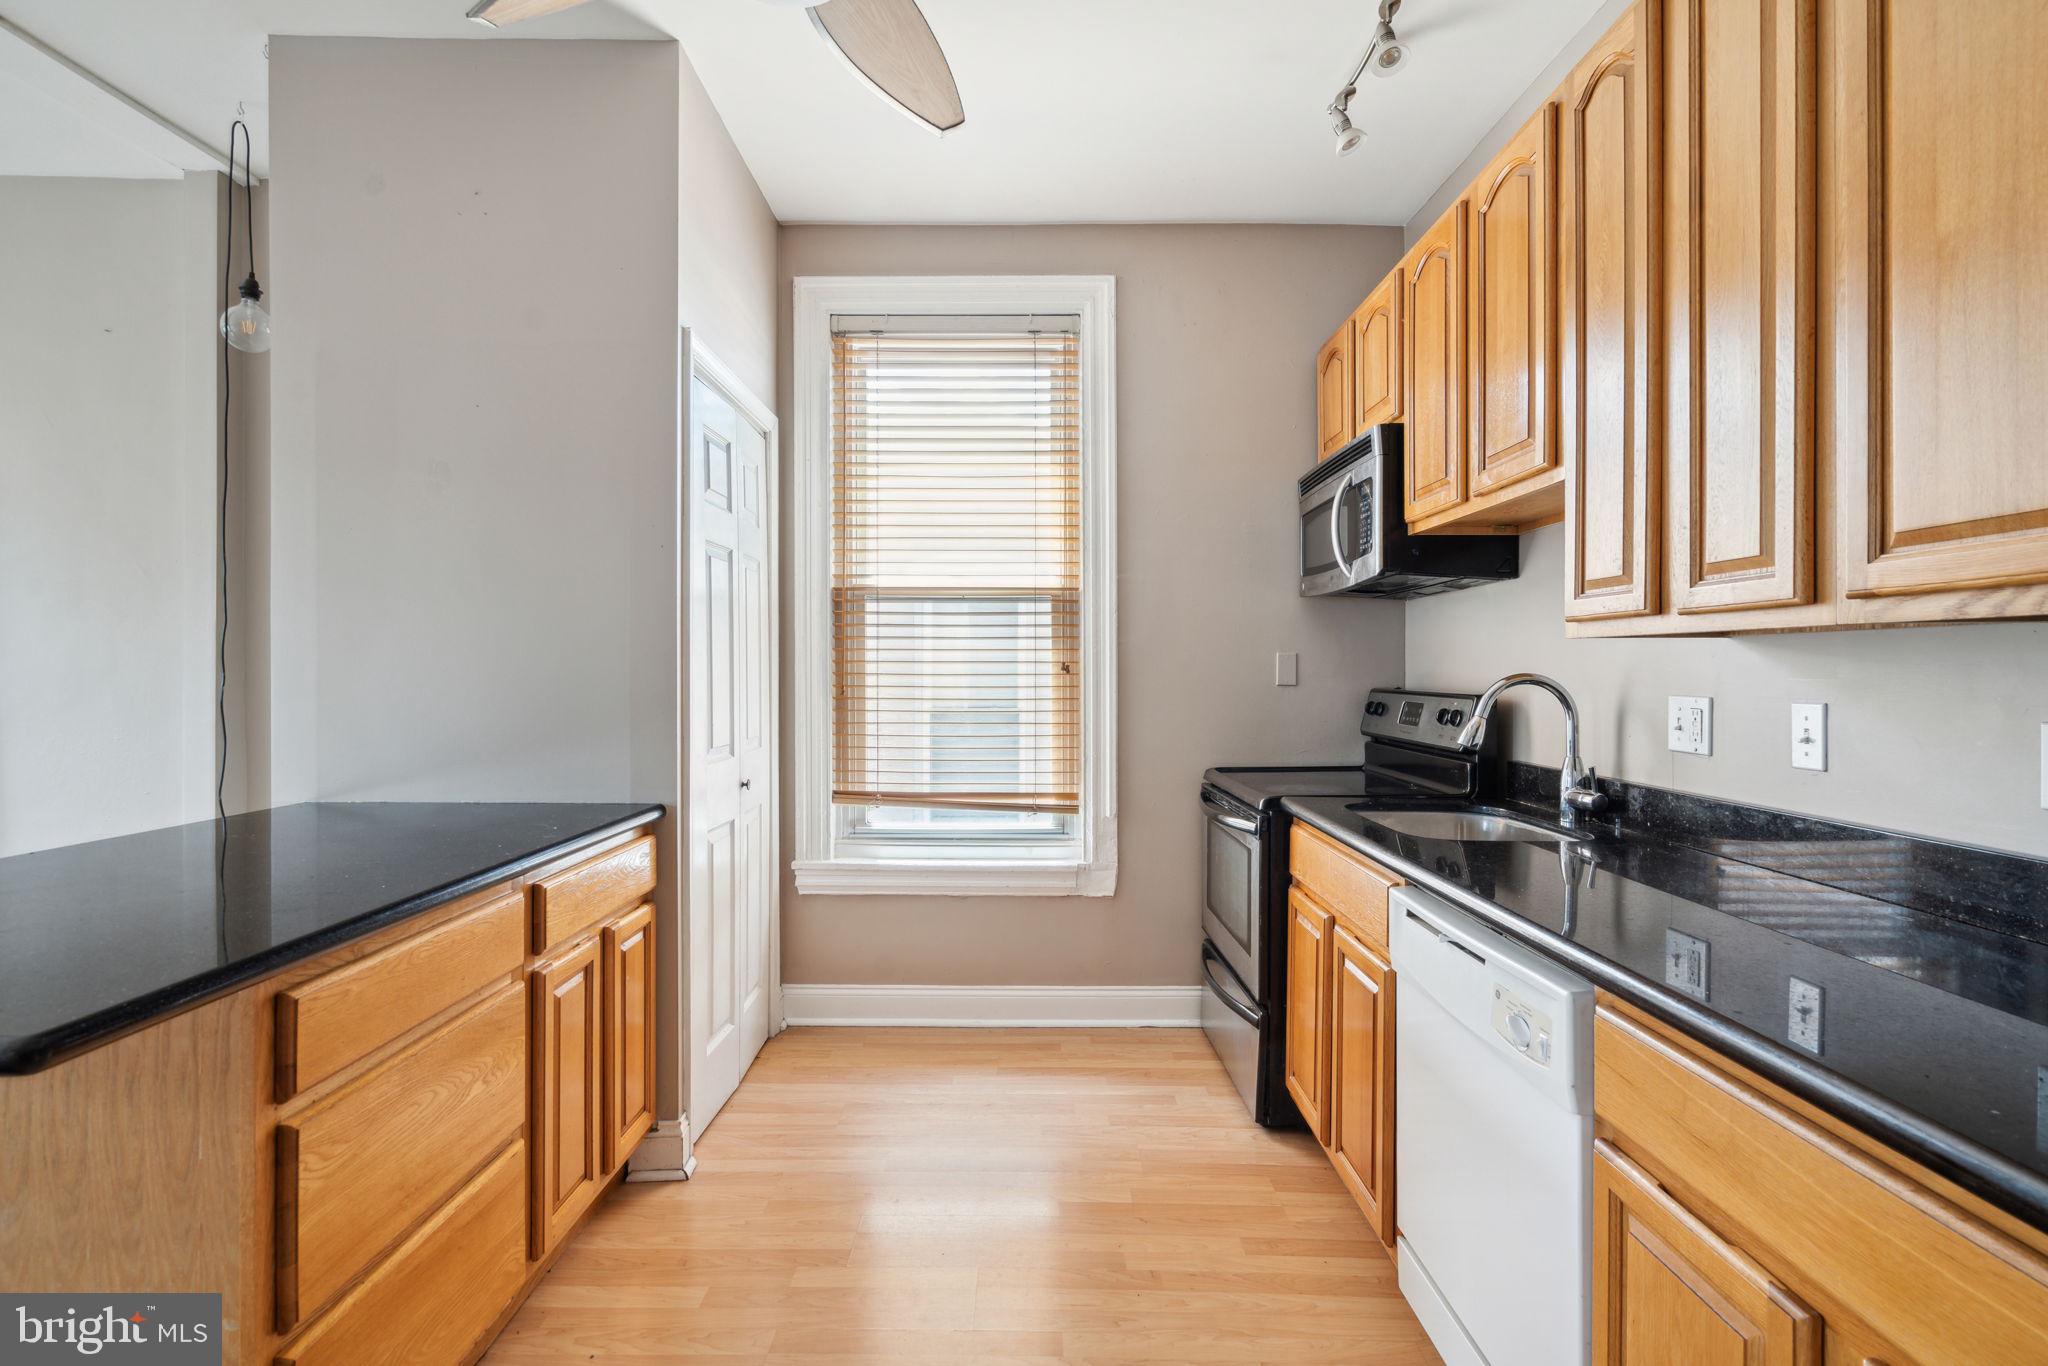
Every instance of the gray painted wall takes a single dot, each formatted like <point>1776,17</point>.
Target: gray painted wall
<point>1215,329</point>
<point>107,429</point>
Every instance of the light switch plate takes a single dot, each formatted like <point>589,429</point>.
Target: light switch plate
<point>1810,735</point>
<point>2044,765</point>
<point>1802,1015</point>
<point>1286,669</point>
<point>1691,727</point>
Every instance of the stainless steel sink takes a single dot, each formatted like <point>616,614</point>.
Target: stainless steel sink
<point>1470,826</point>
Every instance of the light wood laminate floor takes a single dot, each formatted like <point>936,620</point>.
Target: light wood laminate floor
<point>951,1196</point>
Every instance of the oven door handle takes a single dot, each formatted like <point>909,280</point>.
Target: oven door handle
<point>1337,521</point>
<point>1223,815</point>
<point>1251,1015</point>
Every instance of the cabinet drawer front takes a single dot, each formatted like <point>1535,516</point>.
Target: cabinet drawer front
<point>361,1167</point>
<point>434,1297</point>
<point>335,1019</point>
<point>1343,881</point>
<point>574,899</point>
<point>1851,1236</point>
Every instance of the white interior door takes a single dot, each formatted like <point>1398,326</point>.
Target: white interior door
<point>730,745</point>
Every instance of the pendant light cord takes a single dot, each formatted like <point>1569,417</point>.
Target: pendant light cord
<point>227,275</point>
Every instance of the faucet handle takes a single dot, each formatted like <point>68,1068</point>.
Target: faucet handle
<point>1586,795</point>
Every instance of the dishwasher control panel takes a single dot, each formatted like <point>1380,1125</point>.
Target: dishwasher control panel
<point>1526,1028</point>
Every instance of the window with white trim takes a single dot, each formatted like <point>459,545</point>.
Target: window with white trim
<point>954,576</point>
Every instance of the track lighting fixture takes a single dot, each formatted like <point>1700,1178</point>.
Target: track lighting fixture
<point>1384,56</point>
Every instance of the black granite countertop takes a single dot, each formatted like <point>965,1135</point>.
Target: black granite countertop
<point>98,939</point>
<point>1934,1031</point>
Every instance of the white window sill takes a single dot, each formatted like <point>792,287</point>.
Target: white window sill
<point>952,877</point>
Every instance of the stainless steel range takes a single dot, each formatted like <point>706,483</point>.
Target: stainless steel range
<point>1411,750</point>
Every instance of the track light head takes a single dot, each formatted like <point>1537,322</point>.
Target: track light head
<point>1348,135</point>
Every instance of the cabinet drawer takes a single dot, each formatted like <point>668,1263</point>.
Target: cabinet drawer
<point>1856,1238</point>
<point>441,1290</point>
<point>574,899</point>
<point>362,1166</point>
<point>1343,881</point>
<point>335,1019</point>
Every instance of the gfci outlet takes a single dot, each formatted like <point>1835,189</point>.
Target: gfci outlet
<point>1691,728</point>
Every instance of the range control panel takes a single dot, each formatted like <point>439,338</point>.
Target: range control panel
<point>1423,718</point>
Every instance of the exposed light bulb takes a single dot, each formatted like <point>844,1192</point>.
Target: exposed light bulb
<point>246,326</point>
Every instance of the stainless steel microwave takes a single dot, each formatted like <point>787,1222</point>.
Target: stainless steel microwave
<point>1354,531</point>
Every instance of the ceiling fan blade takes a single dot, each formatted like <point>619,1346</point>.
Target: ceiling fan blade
<point>890,46</point>
<point>498,13</point>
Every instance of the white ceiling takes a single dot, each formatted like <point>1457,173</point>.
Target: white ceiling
<point>1122,110</point>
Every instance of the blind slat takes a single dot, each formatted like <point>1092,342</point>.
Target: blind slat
<point>956,569</point>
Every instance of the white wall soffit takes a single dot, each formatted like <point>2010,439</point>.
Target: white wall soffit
<point>59,119</point>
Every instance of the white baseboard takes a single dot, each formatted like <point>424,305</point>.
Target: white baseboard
<point>664,1155</point>
<point>993,1007</point>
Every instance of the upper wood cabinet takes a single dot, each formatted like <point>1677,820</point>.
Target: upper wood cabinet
<point>1513,340</point>
<point>1376,357</point>
<point>1740,103</point>
<point>1939,115</point>
<point>1333,393</point>
<point>1362,1077</point>
<point>1433,363</point>
<point>1308,1011</point>
<point>1608,214</point>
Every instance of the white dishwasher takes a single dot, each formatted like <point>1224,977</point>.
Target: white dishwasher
<point>1493,1125</point>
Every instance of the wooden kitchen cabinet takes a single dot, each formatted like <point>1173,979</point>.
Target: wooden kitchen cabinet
<point>1735,1222</point>
<point>1361,1104</point>
<point>568,1091</point>
<point>1308,1011</point>
<point>1609,213</point>
<point>1333,393</point>
<point>1437,434</point>
<point>1376,357</point>
<point>1938,114</point>
<point>1740,192</point>
<point>628,1032</point>
<point>1513,340</point>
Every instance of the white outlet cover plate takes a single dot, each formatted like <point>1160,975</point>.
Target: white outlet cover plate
<point>1690,728</point>
<point>1810,735</point>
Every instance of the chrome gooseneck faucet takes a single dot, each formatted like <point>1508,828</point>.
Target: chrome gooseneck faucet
<point>1576,792</point>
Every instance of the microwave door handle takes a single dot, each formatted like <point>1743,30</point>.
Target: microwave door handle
<point>1337,521</point>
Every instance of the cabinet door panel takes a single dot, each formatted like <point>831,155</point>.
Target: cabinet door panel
<point>1513,369</point>
<point>1942,298</point>
<point>1376,357</point>
<point>568,1114</point>
<point>1433,342</point>
<point>1667,1289</point>
<point>1362,1078</point>
<point>1308,1010</point>
<point>628,1033</point>
<point>1607,213</point>
<point>1740,193</point>
<point>1333,394</point>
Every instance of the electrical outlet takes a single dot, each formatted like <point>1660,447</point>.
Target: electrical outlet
<point>1810,735</point>
<point>1286,669</point>
<point>1685,963</point>
<point>1691,729</point>
<point>1802,1017</point>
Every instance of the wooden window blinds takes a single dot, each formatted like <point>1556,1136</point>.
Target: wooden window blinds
<point>956,567</point>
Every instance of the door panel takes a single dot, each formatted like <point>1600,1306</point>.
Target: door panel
<point>629,1033</point>
<point>567,1152</point>
<point>1433,312</point>
<point>1308,1010</point>
<point>1667,1289</point>
<point>1376,357</point>
<point>1942,302</point>
<point>1607,309</point>
<point>1333,394</point>
<point>1739,198</point>
<point>1362,1078</point>
<point>1513,366</point>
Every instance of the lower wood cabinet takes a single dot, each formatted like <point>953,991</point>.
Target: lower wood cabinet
<point>628,1033</point>
<point>1361,1105</point>
<point>1340,1016</point>
<point>1733,1222</point>
<point>568,1091</point>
